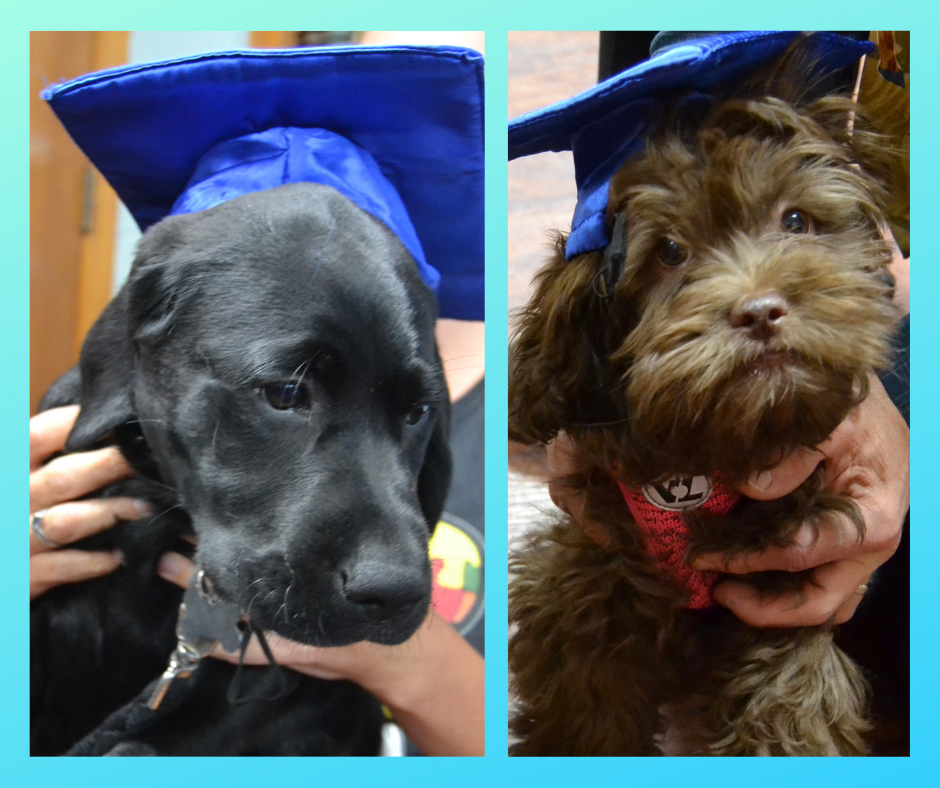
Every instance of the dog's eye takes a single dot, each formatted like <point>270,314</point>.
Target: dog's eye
<point>671,253</point>
<point>286,395</point>
<point>796,222</point>
<point>417,413</point>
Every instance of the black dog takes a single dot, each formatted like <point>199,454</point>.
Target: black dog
<point>270,371</point>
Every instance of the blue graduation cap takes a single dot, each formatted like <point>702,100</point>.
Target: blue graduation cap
<point>606,125</point>
<point>398,130</point>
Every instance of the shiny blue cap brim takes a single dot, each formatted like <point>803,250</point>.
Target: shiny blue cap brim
<point>417,111</point>
<point>606,125</point>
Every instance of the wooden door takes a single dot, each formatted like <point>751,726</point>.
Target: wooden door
<point>72,211</point>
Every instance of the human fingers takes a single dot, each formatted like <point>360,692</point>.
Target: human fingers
<point>833,538</point>
<point>900,267</point>
<point>48,431</point>
<point>68,522</point>
<point>829,598</point>
<point>562,456</point>
<point>847,609</point>
<point>47,570</point>
<point>784,478</point>
<point>324,663</point>
<point>562,460</point>
<point>74,475</point>
<point>176,568</point>
<point>869,460</point>
<point>386,671</point>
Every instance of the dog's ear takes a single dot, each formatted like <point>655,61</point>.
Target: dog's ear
<point>107,370</point>
<point>871,160</point>
<point>158,280</point>
<point>141,312</point>
<point>434,477</point>
<point>556,366</point>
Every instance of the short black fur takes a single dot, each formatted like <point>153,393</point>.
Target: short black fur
<point>313,519</point>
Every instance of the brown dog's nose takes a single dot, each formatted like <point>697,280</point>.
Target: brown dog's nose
<point>760,316</point>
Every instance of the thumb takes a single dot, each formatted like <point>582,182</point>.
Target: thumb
<point>782,479</point>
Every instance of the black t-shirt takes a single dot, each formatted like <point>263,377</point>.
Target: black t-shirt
<point>464,512</point>
<point>457,544</point>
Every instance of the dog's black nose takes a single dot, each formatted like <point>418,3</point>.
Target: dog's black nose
<point>760,316</point>
<point>380,591</point>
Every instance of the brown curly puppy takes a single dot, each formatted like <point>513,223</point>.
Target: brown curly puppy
<point>752,303</point>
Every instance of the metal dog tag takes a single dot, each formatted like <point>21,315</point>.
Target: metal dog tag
<point>200,626</point>
<point>203,623</point>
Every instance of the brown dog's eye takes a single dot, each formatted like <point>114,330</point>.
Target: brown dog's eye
<point>286,395</point>
<point>796,222</point>
<point>671,253</point>
<point>417,413</point>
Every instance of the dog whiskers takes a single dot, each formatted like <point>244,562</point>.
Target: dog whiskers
<point>155,483</point>
<point>248,611</point>
<point>462,369</point>
<point>148,421</point>
<point>595,423</point>
<point>165,511</point>
<point>284,606</point>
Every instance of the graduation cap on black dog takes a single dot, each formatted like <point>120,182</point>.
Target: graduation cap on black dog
<point>397,130</point>
<point>607,125</point>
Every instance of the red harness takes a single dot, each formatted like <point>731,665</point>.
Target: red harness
<point>657,509</point>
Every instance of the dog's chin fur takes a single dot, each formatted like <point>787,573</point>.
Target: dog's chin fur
<point>664,377</point>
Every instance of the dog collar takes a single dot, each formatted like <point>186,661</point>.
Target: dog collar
<point>398,130</point>
<point>607,125</point>
<point>657,509</point>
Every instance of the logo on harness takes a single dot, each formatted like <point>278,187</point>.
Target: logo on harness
<point>679,492</point>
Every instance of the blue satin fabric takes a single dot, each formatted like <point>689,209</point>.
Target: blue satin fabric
<point>606,125</point>
<point>289,155</point>
<point>415,113</point>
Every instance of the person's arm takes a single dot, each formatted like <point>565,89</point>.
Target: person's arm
<point>433,683</point>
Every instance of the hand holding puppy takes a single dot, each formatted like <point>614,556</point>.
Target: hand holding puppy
<point>432,683</point>
<point>866,458</point>
<point>56,517</point>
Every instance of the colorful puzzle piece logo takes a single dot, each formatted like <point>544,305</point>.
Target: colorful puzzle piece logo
<point>457,571</point>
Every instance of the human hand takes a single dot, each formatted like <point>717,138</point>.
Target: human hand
<point>54,512</point>
<point>867,458</point>
<point>433,683</point>
<point>377,668</point>
<point>900,268</point>
<point>562,458</point>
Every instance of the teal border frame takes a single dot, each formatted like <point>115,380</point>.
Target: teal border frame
<point>496,768</point>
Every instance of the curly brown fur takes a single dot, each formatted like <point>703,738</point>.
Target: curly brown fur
<point>678,372</point>
<point>578,610</point>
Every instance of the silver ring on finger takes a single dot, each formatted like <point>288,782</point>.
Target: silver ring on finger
<point>35,527</point>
